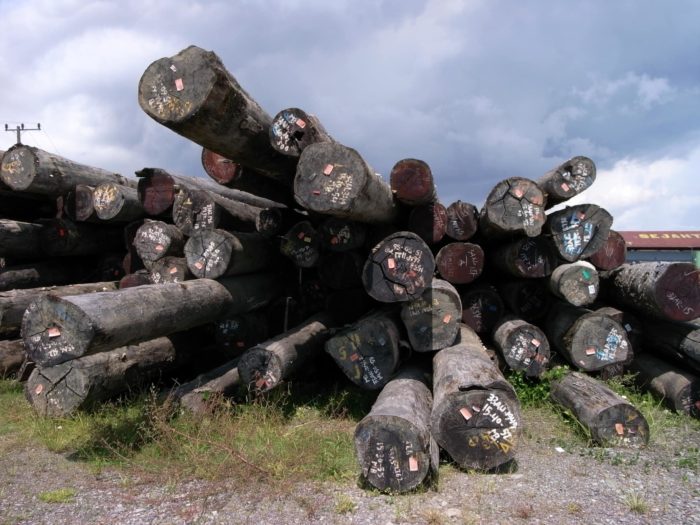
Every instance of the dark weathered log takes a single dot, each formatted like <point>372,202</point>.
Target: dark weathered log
<point>576,283</point>
<point>514,206</point>
<point>46,273</point>
<point>197,395</point>
<point>335,180</point>
<point>482,307</point>
<point>58,329</point>
<point>680,390</point>
<point>612,254</point>
<point>293,129</point>
<point>590,341</point>
<point>577,232</point>
<point>157,239</point>
<point>528,299</point>
<point>301,244</point>
<point>660,289</point>
<point>525,257</point>
<point>78,204</point>
<point>567,180</point>
<point>462,221</point>
<point>271,222</point>
<point>460,262</point>
<point>138,278</point>
<point>523,346</point>
<point>26,207</point>
<point>20,240</point>
<point>195,210</point>
<point>429,222</point>
<point>266,365</point>
<point>12,356</point>
<point>115,203</point>
<point>412,182</point>
<point>61,390</point>
<point>216,253</point>
<point>109,267</point>
<point>393,444</point>
<point>368,351</point>
<point>235,335</point>
<point>31,170</point>
<point>169,270</point>
<point>61,237</point>
<point>611,419</point>
<point>677,342</point>
<point>194,95</point>
<point>341,271</point>
<point>631,323</point>
<point>340,235</point>
<point>432,321</point>
<point>476,414</point>
<point>399,268</point>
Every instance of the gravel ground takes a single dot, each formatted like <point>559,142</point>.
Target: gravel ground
<point>579,485</point>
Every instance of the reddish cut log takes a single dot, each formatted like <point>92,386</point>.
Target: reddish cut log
<point>476,414</point>
<point>429,222</point>
<point>200,395</point>
<point>58,329</point>
<point>266,365</point>
<point>412,182</point>
<point>61,237</point>
<point>340,235</point>
<point>576,283</point>
<point>301,244</point>
<point>481,307</point>
<point>12,355</point>
<point>195,210</point>
<point>116,203</point>
<point>20,240</point>
<point>235,335</point>
<point>335,180</point>
<point>460,262</point>
<point>157,239</point>
<point>138,278</point>
<point>169,270</point>
<point>293,129</point>
<point>514,206</point>
<point>194,95</point>
<point>611,420</point>
<point>590,341</point>
<point>393,444</point>
<point>368,351</point>
<point>217,253</point>
<point>432,321</point>
<point>31,170</point>
<point>677,342</point>
<point>399,268</point>
<point>612,254</point>
<point>78,204</point>
<point>341,271</point>
<point>661,289</point>
<point>462,221</point>
<point>567,180</point>
<point>523,346</point>
<point>526,257</point>
<point>679,389</point>
<point>577,232</point>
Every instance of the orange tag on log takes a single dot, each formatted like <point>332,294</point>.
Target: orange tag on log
<point>619,428</point>
<point>159,247</point>
<point>307,239</point>
<point>300,123</point>
<point>391,263</point>
<point>518,193</point>
<point>334,240</point>
<point>413,464</point>
<point>39,389</point>
<point>535,342</point>
<point>590,351</point>
<point>179,85</point>
<point>466,414</point>
<point>328,169</point>
<point>198,265</point>
<point>54,331</point>
<point>354,357</point>
<point>447,319</point>
<point>316,192</point>
<point>172,271</point>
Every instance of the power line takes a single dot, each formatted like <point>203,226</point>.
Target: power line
<point>20,128</point>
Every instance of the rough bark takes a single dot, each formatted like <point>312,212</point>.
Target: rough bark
<point>429,222</point>
<point>679,389</point>
<point>525,257</point>
<point>576,283</point>
<point>293,130</point>
<point>462,221</point>
<point>12,355</point>
<point>20,240</point>
<point>612,254</point>
<point>460,262</point>
<point>157,239</point>
<point>482,307</point>
<point>116,203</point>
<point>514,206</point>
<point>577,232</point>
<point>567,180</point>
<point>412,182</point>
<point>64,271</point>
<point>523,346</point>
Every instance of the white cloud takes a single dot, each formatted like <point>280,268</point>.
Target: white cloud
<point>634,90</point>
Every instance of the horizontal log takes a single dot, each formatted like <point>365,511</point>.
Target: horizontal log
<point>612,254</point>
<point>20,240</point>
<point>302,245</point>
<point>293,130</point>
<point>679,389</point>
<point>462,221</point>
<point>156,239</point>
<point>138,278</point>
<point>525,257</point>
<point>198,395</point>
<point>429,222</point>
<point>460,262</point>
<point>567,180</point>
<point>61,237</point>
<point>576,283</point>
<point>12,355</point>
<point>196,209</point>
<point>339,235</point>
<point>116,203</point>
<point>412,182</point>
<point>77,204</point>
<point>169,270</point>
<point>524,346</point>
<point>577,232</point>
<point>677,342</point>
<point>482,307</point>
<point>514,206</point>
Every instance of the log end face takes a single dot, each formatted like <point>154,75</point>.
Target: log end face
<point>108,200</point>
<point>219,168</point>
<point>57,392</point>
<point>412,182</point>
<point>207,255</point>
<point>677,292</point>
<point>259,370</point>
<point>290,132</point>
<point>18,167</point>
<point>622,426</point>
<point>596,341</point>
<point>462,221</point>
<point>460,262</point>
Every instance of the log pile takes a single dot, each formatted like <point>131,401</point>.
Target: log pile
<point>296,250</point>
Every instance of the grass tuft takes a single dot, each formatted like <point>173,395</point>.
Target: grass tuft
<point>63,495</point>
<point>636,503</point>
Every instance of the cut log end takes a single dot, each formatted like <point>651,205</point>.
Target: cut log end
<point>56,391</point>
<point>219,168</point>
<point>612,254</point>
<point>515,205</point>
<point>678,292</point>
<point>596,341</point>
<point>460,262</point>
<point>18,167</point>
<point>429,222</point>
<point>462,221</point>
<point>412,182</point>
<point>259,370</point>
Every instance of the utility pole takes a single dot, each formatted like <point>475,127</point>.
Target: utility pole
<point>19,129</point>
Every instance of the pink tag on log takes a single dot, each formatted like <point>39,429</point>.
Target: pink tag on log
<point>179,85</point>
<point>172,271</point>
<point>518,192</point>
<point>301,235</point>
<point>466,414</point>
<point>159,247</point>
<point>413,464</point>
<point>301,123</point>
<point>447,319</point>
<point>198,265</point>
<point>54,331</point>
<point>535,342</point>
<point>564,186</point>
<point>619,428</point>
<point>354,357</point>
<point>391,263</point>
<point>590,351</point>
<point>328,169</point>
<point>39,389</point>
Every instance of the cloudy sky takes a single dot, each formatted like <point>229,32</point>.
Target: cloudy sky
<point>481,90</point>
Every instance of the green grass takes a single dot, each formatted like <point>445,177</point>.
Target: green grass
<point>64,495</point>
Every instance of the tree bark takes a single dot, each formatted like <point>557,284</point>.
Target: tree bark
<point>481,307</point>
<point>611,420</point>
<point>20,240</point>
<point>412,182</point>
<point>680,390</point>
<point>429,222</point>
<point>525,257</point>
<point>12,356</point>
<point>293,130</point>
<point>460,262</point>
<point>677,342</point>
<point>577,232</point>
<point>157,239</point>
<point>115,203</point>
<point>567,180</point>
<point>197,396</point>
<point>523,346</point>
<point>78,204</point>
<point>576,283</point>
<point>515,206</point>
<point>612,254</point>
<point>462,221</point>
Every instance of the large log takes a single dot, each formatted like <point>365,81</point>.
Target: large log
<point>62,237</point>
<point>197,396</point>
<point>169,270</point>
<point>679,389</point>
<point>412,182</point>
<point>399,268</point>
<point>340,235</point>
<point>514,206</point>
<point>460,262</point>
<point>476,414</point>
<point>677,342</point>
<point>12,355</point>
<point>528,299</point>
<point>20,240</point>
<point>576,283</point>
<point>368,351</point>
<point>293,130</point>
<point>31,170</point>
<point>612,254</point>
<point>577,232</point>
<point>661,289</point>
<point>393,444</point>
<point>78,204</point>
<point>335,180</point>
<point>217,253</point>
<point>429,222</point>
<point>302,245</point>
<point>432,321</point>
<point>196,210</point>
<point>523,346</point>
<point>482,307</point>
<point>611,420</point>
<point>157,239</point>
<point>26,207</point>
<point>267,364</point>
<point>193,94</point>
<point>567,180</point>
<point>116,203</point>
<point>525,257</point>
<point>462,221</point>
<point>58,329</point>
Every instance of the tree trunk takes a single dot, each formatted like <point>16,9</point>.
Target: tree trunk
<point>612,254</point>
<point>432,321</point>
<point>393,444</point>
<point>301,244</point>
<point>31,170</point>
<point>577,232</point>
<point>514,206</point>
<point>61,237</point>
<point>673,341</point>
<point>340,235</point>
<point>58,329</point>
<point>679,389</point>
<point>476,414</point>
<point>611,420</point>
<point>157,239</point>
<point>528,299</point>
<point>462,221</point>
<point>195,210</point>
<point>412,183</point>
<point>333,179</point>
<point>293,129</point>
<point>115,203</point>
<point>460,262</point>
<point>266,365</point>
<point>78,204</point>
<point>482,307</point>
<point>632,325</point>
<point>197,396</point>
<point>525,257</point>
<point>399,268</point>
<point>664,290</point>
<point>523,346</point>
<point>429,222</point>
<point>169,270</point>
<point>368,351</point>
<point>26,207</point>
<point>567,180</point>
<point>20,240</point>
<point>12,356</point>
<point>576,283</point>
